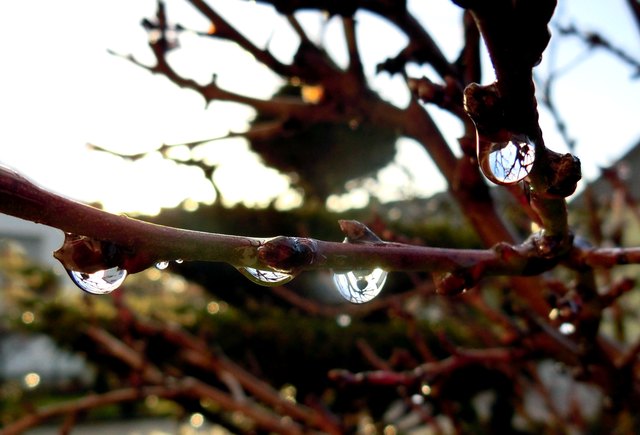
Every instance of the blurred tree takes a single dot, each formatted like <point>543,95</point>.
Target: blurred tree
<point>525,336</point>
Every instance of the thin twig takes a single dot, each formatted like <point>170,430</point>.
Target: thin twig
<point>225,30</point>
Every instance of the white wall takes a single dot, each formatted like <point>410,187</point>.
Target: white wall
<point>39,241</point>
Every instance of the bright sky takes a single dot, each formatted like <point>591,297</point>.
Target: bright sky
<point>60,90</point>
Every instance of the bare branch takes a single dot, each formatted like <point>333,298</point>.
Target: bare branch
<point>141,244</point>
<point>278,107</point>
<point>225,30</point>
<point>193,387</point>
<point>594,40</point>
<point>93,401</point>
<point>355,67</point>
<point>428,371</point>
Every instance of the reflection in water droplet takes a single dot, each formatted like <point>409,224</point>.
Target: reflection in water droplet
<point>162,265</point>
<point>100,282</point>
<point>360,286</point>
<point>179,261</point>
<point>267,278</point>
<point>506,162</point>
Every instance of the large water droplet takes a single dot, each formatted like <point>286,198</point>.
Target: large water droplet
<point>162,265</point>
<point>360,286</point>
<point>506,162</point>
<point>100,282</point>
<point>269,278</point>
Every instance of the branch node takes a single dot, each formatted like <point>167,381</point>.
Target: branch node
<point>287,254</point>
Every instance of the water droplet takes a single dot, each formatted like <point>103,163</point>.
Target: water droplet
<point>506,162</point>
<point>162,265</point>
<point>361,285</point>
<point>269,278</point>
<point>100,282</point>
<point>567,328</point>
<point>179,261</point>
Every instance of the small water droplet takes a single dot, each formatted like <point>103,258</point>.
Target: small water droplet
<point>506,162</point>
<point>360,286</point>
<point>269,278</point>
<point>100,282</point>
<point>179,261</point>
<point>162,265</point>
<point>567,328</point>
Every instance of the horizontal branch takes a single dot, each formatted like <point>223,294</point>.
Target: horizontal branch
<point>146,243</point>
<point>428,371</point>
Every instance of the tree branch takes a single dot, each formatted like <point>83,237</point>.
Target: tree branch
<point>225,30</point>
<point>193,387</point>
<point>516,34</point>
<point>141,244</point>
<point>594,40</point>
<point>278,107</point>
<point>426,372</point>
<point>93,401</point>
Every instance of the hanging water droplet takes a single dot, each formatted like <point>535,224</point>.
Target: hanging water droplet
<point>162,265</point>
<point>179,261</point>
<point>360,286</point>
<point>268,278</point>
<point>100,282</point>
<point>506,162</point>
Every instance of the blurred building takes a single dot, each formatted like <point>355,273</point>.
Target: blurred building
<point>39,241</point>
<point>23,355</point>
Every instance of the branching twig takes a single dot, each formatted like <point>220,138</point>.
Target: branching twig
<point>277,107</point>
<point>428,371</point>
<point>225,30</point>
<point>196,353</point>
<point>194,387</point>
<point>595,40</point>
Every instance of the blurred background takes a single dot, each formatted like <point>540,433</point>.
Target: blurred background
<point>84,114</point>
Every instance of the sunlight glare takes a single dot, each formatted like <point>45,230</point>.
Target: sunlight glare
<point>355,198</point>
<point>242,178</point>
